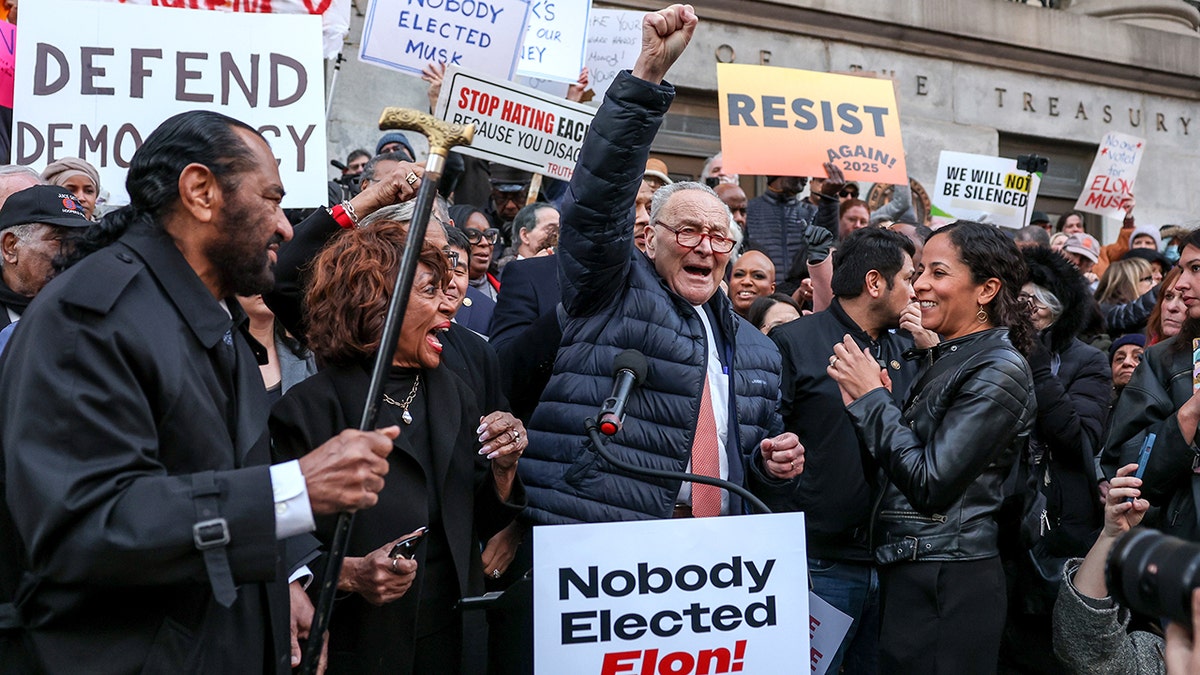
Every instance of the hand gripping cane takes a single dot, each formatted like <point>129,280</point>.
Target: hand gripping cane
<point>442,136</point>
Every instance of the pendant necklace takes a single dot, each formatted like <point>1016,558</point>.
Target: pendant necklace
<point>405,416</point>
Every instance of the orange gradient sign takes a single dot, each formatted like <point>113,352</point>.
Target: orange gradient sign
<point>787,122</point>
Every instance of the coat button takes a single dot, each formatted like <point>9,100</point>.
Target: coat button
<point>125,257</point>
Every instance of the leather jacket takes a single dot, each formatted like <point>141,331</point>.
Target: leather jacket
<point>945,455</point>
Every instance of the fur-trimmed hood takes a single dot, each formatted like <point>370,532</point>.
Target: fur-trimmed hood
<point>1056,274</point>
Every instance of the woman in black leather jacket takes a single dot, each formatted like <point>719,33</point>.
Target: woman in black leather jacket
<point>946,454</point>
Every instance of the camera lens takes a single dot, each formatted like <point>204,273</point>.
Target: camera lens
<point>1154,574</point>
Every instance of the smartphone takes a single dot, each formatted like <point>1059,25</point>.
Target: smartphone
<point>1143,457</point>
<point>407,547</point>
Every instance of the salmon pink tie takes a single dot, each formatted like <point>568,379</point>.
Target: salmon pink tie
<point>706,499</point>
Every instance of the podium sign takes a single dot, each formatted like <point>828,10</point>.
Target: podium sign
<point>672,597</point>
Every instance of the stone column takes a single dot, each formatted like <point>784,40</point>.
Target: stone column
<point>1176,16</point>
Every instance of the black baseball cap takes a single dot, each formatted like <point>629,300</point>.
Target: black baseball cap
<point>45,204</point>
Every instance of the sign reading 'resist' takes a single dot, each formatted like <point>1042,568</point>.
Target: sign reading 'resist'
<point>787,122</point>
<point>678,597</point>
<point>98,90</point>
<point>515,125</point>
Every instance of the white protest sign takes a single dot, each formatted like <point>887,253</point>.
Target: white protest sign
<point>1112,175</point>
<point>515,125</point>
<point>982,188</point>
<point>614,41</point>
<point>827,626</point>
<point>335,14</point>
<point>681,596</point>
<point>555,40</point>
<point>102,87</point>
<point>406,35</point>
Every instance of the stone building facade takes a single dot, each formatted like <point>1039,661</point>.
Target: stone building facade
<point>992,77</point>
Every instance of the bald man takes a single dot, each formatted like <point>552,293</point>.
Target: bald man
<point>753,277</point>
<point>735,198</point>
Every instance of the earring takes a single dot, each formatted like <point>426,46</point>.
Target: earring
<point>981,316</point>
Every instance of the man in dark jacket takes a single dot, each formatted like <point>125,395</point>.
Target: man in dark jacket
<point>713,380</point>
<point>872,286</point>
<point>145,518</point>
<point>789,230</point>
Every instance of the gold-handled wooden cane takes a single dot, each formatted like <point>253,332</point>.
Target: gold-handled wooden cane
<point>442,136</point>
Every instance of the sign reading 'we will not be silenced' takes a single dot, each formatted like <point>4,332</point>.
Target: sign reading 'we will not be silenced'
<point>98,90</point>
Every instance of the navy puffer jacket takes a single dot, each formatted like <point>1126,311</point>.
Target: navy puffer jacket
<point>614,300</point>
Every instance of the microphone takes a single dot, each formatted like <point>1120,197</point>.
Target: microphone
<point>338,165</point>
<point>629,370</point>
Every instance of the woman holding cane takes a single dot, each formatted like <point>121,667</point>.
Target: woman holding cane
<point>400,615</point>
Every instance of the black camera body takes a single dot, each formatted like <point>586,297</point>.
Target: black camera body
<point>1032,164</point>
<point>1154,574</point>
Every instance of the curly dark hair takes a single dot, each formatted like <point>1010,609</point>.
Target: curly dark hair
<point>350,287</point>
<point>989,254</point>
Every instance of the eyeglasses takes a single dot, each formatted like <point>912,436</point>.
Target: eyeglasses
<point>690,238</point>
<point>475,236</point>
<point>1032,302</point>
<point>503,197</point>
<point>452,256</point>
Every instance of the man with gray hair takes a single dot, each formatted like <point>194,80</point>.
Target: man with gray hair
<point>708,401</point>
<point>35,224</point>
<point>15,178</point>
<point>535,230</point>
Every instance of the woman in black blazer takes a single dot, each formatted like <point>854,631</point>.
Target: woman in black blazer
<point>400,616</point>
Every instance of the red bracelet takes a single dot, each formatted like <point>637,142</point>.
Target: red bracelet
<point>340,217</point>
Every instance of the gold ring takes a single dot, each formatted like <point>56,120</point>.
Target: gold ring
<point>411,178</point>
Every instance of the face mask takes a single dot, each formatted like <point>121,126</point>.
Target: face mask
<point>1172,253</point>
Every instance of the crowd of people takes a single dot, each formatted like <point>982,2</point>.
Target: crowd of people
<point>959,411</point>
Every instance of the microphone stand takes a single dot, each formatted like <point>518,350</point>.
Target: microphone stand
<point>593,431</point>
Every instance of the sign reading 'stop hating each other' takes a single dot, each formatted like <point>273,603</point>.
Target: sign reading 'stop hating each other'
<point>406,35</point>
<point>96,92</point>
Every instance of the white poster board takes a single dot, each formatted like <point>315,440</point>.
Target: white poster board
<point>515,125</point>
<point>827,627</point>
<point>97,90</point>
<point>982,188</point>
<point>686,595</point>
<point>613,44</point>
<point>555,40</point>
<point>1113,172</point>
<point>335,14</point>
<point>406,35</point>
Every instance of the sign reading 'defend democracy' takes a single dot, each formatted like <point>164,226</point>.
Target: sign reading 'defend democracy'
<point>1113,171</point>
<point>515,125</point>
<point>406,35</point>
<point>97,92</point>
<point>786,122</point>
<point>982,188</point>
<point>672,597</point>
<point>555,40</point>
